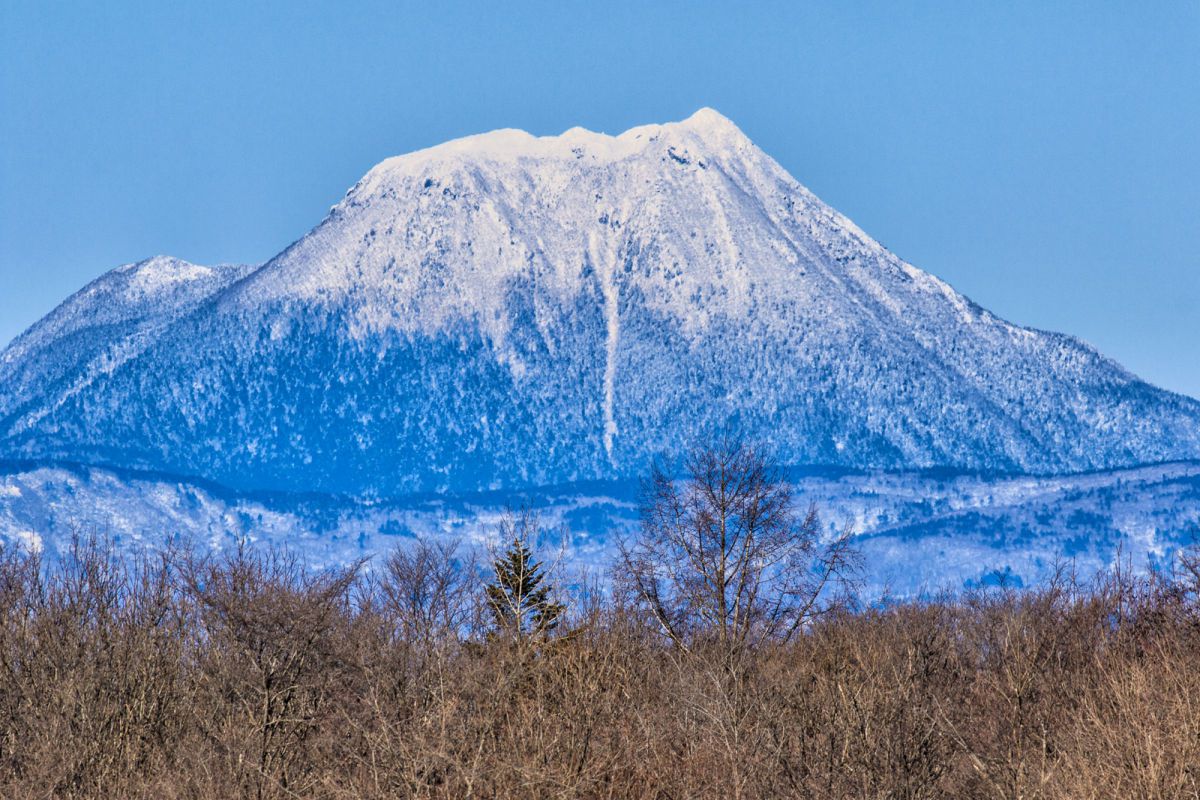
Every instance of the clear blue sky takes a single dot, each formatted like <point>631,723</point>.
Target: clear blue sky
<point>1042,157</point>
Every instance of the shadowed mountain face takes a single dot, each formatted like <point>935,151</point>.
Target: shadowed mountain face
<point>506,311</point>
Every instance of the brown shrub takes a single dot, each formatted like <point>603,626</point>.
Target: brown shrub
<point>249,676</point>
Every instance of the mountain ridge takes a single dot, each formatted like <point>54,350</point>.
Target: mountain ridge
<point>916,531</point>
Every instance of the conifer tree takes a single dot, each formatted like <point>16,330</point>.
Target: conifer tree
<point>519,598</point>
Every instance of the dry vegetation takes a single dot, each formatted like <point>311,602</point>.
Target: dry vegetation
<point>244,675</point>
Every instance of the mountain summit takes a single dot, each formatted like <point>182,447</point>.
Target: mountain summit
<point>506,310</point>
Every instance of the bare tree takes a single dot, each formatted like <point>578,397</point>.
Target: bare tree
<point>1187,569</point>
<point>275,633</point>
<point>428,589</point>
<point>722,555</point>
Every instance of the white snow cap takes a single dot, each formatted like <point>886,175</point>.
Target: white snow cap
<point>706,129</point>
<point>161,271</point>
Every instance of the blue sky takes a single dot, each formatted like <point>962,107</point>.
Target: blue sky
<point>1042,157</point>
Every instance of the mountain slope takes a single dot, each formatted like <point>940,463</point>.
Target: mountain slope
<point>107,322</point>
<point>504,311</point>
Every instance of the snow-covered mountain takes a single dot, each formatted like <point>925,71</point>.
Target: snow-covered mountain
<point>505,311</point>
<point>109,321</point>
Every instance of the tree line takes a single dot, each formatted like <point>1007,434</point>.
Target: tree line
<point>725,655</point>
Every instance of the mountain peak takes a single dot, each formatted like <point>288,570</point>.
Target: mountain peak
<point>160,272</point>
<point>510,145</point>
<point>709,121</point>
<point>156,263</point>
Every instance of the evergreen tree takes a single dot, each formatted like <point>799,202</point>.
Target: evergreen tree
<point>519,599</point>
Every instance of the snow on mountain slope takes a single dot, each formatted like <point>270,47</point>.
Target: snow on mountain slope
<point>917,531</point>
<point>108,321</point>
<point>505,311</point>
